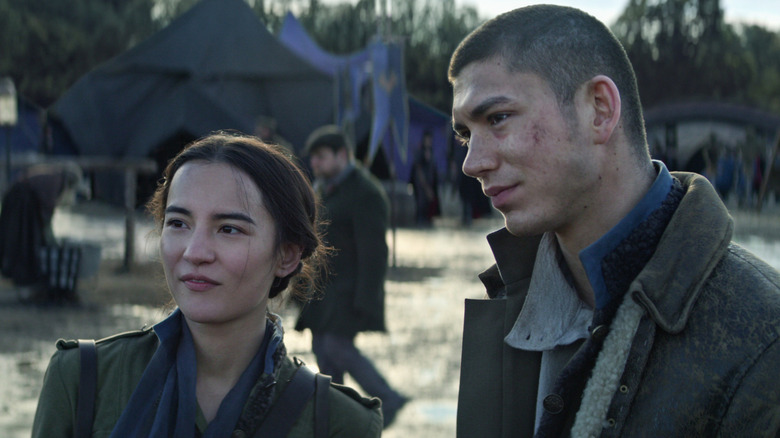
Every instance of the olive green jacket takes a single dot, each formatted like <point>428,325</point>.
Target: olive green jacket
<point>122,360</point>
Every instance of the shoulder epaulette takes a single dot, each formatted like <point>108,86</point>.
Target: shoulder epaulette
<point>66,344</point>
<point>369,402</point>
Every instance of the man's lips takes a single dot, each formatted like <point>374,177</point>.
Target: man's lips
<point>198,282</point>
<point>499,195</point>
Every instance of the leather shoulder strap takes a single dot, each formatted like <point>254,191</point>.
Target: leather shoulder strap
<point>321,419</point>
<point>85,409</point>
<point>288,407</point>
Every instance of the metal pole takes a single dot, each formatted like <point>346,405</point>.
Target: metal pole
<point>9,114</point>
<point>8,156</point>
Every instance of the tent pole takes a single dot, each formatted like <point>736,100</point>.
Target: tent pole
<point>393,206</point>
<point>768,172</point>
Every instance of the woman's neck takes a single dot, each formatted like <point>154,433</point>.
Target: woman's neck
<point>222,354</point>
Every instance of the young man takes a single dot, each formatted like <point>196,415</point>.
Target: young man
<point>356,211</point>
<point>619,305</point>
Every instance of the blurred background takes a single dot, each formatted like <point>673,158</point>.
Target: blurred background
<point>99,94</point>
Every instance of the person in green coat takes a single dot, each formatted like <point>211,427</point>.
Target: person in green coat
<point>237,221</point>
<point>356,213</point>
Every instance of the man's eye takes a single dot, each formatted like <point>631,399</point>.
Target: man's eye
<point>462,137</point>
<point>495,119</point>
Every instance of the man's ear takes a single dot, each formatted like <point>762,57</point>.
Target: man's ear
<point>604,96</point>
<point>289,259</point>
<point>343,155</point>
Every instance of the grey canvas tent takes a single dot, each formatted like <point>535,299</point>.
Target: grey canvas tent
<point>215,67</point>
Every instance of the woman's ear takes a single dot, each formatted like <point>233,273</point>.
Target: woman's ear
<point>289,259</point>
<point>604,96</point>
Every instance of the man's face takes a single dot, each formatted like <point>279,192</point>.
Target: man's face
<point>327,163</point>
<point>531,161</point>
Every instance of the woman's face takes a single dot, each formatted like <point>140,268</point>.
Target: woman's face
<point>218,245</point>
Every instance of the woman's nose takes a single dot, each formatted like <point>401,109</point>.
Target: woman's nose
<point>199,249</point>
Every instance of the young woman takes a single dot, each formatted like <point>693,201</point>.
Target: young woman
<point>237,220</point>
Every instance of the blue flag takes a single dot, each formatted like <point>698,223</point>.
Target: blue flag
<point>391,109</point>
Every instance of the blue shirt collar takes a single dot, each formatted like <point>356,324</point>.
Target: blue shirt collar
<point>592,256</point>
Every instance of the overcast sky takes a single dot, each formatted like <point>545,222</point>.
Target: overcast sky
<point>763,12</point>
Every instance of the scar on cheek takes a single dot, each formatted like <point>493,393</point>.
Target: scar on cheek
<point>538,134</point>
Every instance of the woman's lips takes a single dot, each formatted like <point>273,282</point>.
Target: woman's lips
<point>198,283</point>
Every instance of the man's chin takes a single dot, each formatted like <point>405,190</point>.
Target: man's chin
<point>521,226</point>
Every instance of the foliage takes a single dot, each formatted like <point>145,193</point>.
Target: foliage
<point>47,46</point>
<point>683,49</point>
<point>679,48</point>
<point>430,29</point>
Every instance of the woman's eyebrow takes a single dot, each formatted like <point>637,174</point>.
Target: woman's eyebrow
<point>235,216</point>
<point>239,216</point>
<point>176,209</point>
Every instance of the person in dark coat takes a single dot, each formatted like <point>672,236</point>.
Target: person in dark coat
<point>356,214</point>
<point>26,222</point>
<point>619,305</point>
<point>425,182</point>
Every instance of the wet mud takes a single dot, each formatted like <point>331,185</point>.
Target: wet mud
<point>434,271</point>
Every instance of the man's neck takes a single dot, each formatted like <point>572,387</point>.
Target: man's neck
<point>581,282</point>
<point>617,200</point>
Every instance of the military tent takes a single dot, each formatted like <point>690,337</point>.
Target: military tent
<point>215,67</point>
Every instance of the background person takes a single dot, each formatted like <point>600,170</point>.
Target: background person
<point>238,222</point>
<point>425,182</point>
<point>619,305</point>
<point>27,240</point>
<point>356,211</point>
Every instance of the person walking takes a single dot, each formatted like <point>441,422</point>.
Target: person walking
<point>619,306</point>
<point>356,214</point>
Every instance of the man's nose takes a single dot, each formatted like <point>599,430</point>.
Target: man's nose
<point>479,159</point>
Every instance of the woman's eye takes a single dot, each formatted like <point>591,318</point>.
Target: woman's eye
<point>174,223</point>
<point>229,229</point>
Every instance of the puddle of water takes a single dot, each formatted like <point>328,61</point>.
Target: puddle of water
<point>25,353</point>
<point>766,249</point>
<point>107,230</point>
<point>420,355</point>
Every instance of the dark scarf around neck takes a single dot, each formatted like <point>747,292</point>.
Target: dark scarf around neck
<point>164,403</point>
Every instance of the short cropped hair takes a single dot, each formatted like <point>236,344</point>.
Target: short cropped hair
<point>565,47</point>
<point>328,136</point>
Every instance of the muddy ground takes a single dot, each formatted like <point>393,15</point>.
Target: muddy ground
<point>434,271</point>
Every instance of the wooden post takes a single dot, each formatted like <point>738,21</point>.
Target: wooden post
<point>130,186</point>
<point>132,167</point>
<point>768,172</point>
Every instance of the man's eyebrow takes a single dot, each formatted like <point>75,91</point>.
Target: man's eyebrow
<point>480,110</point>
